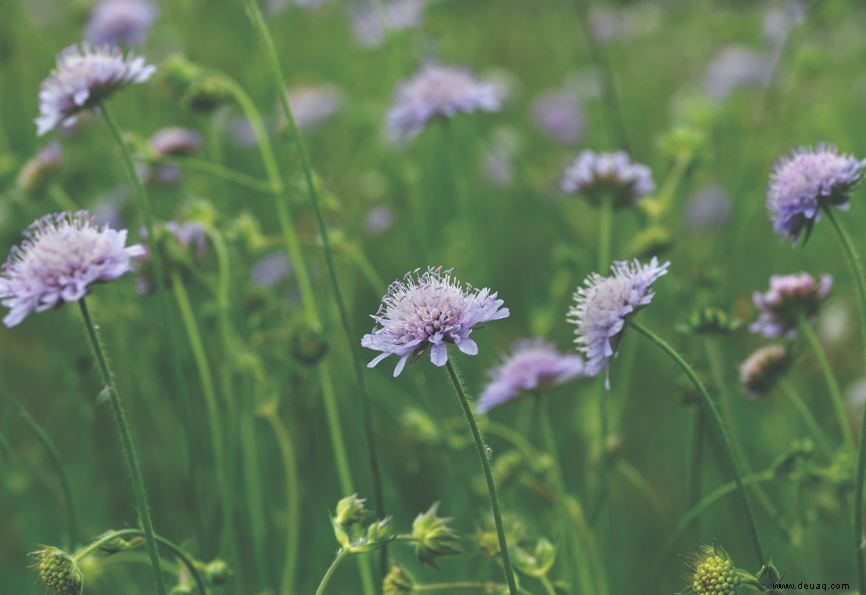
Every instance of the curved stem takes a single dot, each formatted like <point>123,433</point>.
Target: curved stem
<point>488,475</point>
<point>829,377</point>
<point>59,468</point>
<point>809,419</point>
<point>129,451</point>
<point>313,194</point>
<point>696,461</point>
<point>490,587</point>
<point>717,420</point>
<point>223,173</point>
<point>341,555</point>
<point>640,483</point>
<point>857,269</point>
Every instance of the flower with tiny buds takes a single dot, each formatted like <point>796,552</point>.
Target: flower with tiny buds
<point>59,571</point>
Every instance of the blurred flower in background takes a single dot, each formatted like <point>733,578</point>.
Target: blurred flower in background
<point>597,176</point>
<point>557,113</point>
<point>121,22</point>
<point>735,67</point>
<point>708,209</point>
<point>372,20</point>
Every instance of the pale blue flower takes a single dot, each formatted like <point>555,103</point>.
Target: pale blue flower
<point>789,298</point>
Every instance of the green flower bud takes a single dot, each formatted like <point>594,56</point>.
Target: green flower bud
<point>59,571</point>
<point>714,573</point>
<point>710,320</point>
<point>192,86</point>
<point>538,563</point>
<point>433,537</point>
<point>397,582</point>
<point>378,534</point>
<point>350,511</point>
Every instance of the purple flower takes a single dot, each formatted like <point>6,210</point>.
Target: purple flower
<point>558,114</point>
<point>85,76</point>
<point>121,22</point>
<point>270,270</point>
<point>807,180</point>
<point>735,67</point>
<point>789,298</point>
<point>430,309</point>
<point>371,24</point>
<point>533,364</point>
<point>312,105</point>
<point>599,175</point>
<point>708,209</point>
<point>175,141</point>
<point>437,91</point>
<point>763,368</point>
<point>378,220</point>
<point>603,305</point>
<point>61,256</point>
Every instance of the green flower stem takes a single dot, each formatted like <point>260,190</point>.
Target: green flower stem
<point>223,173</point>
<point>59,468</point>
<point>716,418</point>
<point>809,419</point>
<point>351,341</point>
<point>486,587</point>
<point>129,451</point>
<point>857,269</point>
<point>488,474</point>
<point>548,586</point>
<point>62,199</point>
<point>185,558</point>
<point>641,485</point>
<point>252,487</point>
<point>142,205</point>
<point>341,555</point>
<point>293,504</point>
<point>696,461</point>
<point>829,377</point>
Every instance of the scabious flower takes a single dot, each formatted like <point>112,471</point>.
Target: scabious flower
<point>763,368</point>
<point>604,304</point>
<point>121,22</point>
<point>269,270</point>
<point>733,68</point>
<point>599,175</point>
<point>174,140</point>
<point>789,298</point>
<point>807,180</point>
<point>58,571</point>
<point>378,220</point>
<point>85,76</point>
<point>61,256</point>
<point>707,209</point>
<point>558,114</point>
<point>430,309</point>
<point>532,364</point>
<point>438,91</point>
<point>714,573</point>
<point>313,104</point>
<point>371,22</point>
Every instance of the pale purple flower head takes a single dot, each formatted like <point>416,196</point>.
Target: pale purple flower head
<point>121,22</point>
<point>378,220</point>
<point>85,76</point>
<point>614,175</point>
<point>807,180</point>
<point>438,91</point>
<point>371,23</point>
<point>707,209</point>
<point>789,298</point>
<point>735,67</point>
<point>533,364</point>
<point>269,270</point>
<point>603,305</point>
<point>558,114</point>
<point>430,309</point>
<point>763,368</point>
<point>174,140</point>
<point>313,104</point>
<point>61,256</point>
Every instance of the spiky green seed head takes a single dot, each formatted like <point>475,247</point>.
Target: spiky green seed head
<point>433,537</point>
<point>59,572</point>
<point>350,510</point>
<point>714,573</point>
<point>397,582</point>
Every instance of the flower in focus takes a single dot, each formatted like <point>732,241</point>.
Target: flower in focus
<point>789,298</point>
<point>532,364</point>
<point>604,304</point>
<point>38,173</point>
<point>433,536</point>
<point>714,573</point>
<point>437,91</point>
<point>558,114</point>
<point>84,77</point>
<point>58,571</point>
<point>372,21</point>
<point>430,309</point>
<point>763,368</point>
<point>807,180</point>
<point>599,175</point>
<point>61,256</point>
<point>121,22</point>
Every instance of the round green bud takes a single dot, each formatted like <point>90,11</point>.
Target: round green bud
<point>59,572</point>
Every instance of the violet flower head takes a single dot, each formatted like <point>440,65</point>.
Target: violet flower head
<point>438,92</point>
<point>558,114</point>
<point>174,140</point>
<point>121,22</point>
<point>736,67</point>
<point>371,22</point>
<point>763,368</point>
<point>789,298</point>
<point>430,309</point>
<point>533,364</point>
<point>270,270</point>
<point>708,209</point>
<point>311,105</point>
<point>85,76</point>
<point>604,304</point>
<point>61,256</point>
<point>599,175</point>
<point>807,180</point>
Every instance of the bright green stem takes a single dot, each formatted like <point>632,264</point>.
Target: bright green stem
<point>548,587</point>
<point>857,269</point>
<point>829,377</point>
<point>59,468</point>
<point>224,173</point>
<point>809,419</point>
<point>351,340</point>
<point>488,475</point>
<point>696,460</point>
<point>721,428</point>
<point>341,555</point>
<point>128,446</point>
<point>293,504</point>
<point>211,405</point>
<point>486,587</point>
<point>170,546</point>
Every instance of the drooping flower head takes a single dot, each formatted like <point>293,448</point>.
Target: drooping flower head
<point>430,310</point>
<point>121,22</point>
<point>614,175</point>
<point>807,180</point>
<point>789,298</point>
<point>438,91</point>
<point>85,76</point>
<point>603,305</point>
<point>763,368</point>
<point>532,364</point>
<point>62,255</point>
